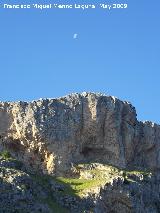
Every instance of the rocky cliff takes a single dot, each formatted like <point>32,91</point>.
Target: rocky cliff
<point>52,136</point>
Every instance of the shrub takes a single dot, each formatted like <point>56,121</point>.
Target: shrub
<point>5,154</point>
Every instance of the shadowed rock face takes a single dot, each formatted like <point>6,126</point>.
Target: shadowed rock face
<point>130,197</point>
<point>51,134</point>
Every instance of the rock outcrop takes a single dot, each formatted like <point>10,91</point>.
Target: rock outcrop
<point>120,195</point>
<point>52,134</point>
<point>18,191</point>
<point>89,136</point>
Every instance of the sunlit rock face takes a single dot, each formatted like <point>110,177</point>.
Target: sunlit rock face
<point>52,134</point>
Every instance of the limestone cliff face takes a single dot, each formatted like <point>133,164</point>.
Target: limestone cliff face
<point>52,134</point>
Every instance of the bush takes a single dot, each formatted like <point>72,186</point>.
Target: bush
<point>5,154</point>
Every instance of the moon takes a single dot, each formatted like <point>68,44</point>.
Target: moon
<point>75,36</point>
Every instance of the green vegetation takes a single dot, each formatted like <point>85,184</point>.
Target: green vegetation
<point>5,154</point>
<point>76,187</point>
<point>138,172</point>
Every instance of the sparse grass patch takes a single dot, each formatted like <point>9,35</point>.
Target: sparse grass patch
<point>75,187</point>
<point>138,172</point>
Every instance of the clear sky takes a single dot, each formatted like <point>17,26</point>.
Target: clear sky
<point>116,52</point>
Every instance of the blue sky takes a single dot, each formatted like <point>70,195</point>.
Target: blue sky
<point>116,52</point>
